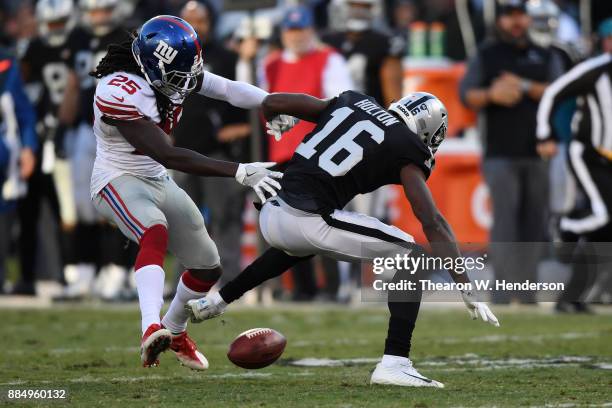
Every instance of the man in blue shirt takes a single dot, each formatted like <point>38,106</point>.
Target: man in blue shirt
<point>18,144</point>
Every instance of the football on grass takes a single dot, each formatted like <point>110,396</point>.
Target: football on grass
<point>256,348</point>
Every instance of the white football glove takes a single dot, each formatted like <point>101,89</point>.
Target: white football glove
<point>476,309</point>
<point>279,125</point>
<point>259,178</point>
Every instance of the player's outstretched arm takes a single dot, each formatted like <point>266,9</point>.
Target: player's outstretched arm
<point>239,94</point>
<point>439,233</point>
<point>301,106</point>
<point>281,110</point>
<point>147,138</point>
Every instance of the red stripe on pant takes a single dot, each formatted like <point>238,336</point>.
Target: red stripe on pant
<point>129,214</point>
<point>105,198</point>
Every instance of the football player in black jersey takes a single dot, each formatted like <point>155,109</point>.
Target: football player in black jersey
<point>373,56</point>
<point>96,244</point>
<point>374,61</point>
<point>356,147</point>
<point>44,65</point>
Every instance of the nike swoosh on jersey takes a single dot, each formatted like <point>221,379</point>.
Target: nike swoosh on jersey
<point>427,380</point>
<point>119,99</point>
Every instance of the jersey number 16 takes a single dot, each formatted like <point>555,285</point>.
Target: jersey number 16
<point>344,142</point>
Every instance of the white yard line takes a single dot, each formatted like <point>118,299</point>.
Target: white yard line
<point>497,338</point>
<point>462,363</point>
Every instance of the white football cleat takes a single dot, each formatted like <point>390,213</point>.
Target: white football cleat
<point>401,372</point>
<point>187,353</point>
<point>205,308</point>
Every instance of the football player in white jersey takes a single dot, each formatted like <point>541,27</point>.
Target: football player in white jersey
<point>142,84</point>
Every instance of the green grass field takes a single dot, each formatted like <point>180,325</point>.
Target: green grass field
<point>534,359</point>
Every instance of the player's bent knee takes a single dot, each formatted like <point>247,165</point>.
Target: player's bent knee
<point>201,280</point>
<point>202,254</point>
<point>153,246</point>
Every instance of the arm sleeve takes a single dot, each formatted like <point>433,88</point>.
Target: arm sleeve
<point>336,76</point>
<point>576,81</point>
<point>24,111</point>
<point>473,77</point>
<point>239,94</point>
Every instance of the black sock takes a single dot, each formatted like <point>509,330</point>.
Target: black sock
<point>399,334</point>
<point>404,308</point>
<point>270,264</point>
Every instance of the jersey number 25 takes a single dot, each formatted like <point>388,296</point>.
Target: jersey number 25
<point>344,142</point>
<point>125,83</point>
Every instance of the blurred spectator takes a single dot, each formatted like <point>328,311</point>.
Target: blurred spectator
<point>405,12</point>
<point>544,31</point>
<point>303,65</point>
<point>251,41</point>
<point>218,130</point>
<point>45,71</point>
<point>590,157</point>
<point>18,145</point>
<point>373,57</point>
<point>504,82</point>
<point>321,71</point>
<point>600,10</point>
<point>20,23</point>
<point>94,245</point>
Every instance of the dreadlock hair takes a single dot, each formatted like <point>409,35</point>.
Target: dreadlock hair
<point>119,57</point>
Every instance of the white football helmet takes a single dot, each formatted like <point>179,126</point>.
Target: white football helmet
<point>545,21</point>
<point>100,16</point>
<point>354,15</point>
<point>425,115</point>
<point>55,20</point>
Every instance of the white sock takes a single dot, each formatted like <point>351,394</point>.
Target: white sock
<point>176,318</point>
<point>389,360</point>
<point>216,299</point>
<point>150,286</point>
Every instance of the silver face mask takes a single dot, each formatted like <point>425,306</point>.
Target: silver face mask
<point>359,18</point>
<point>50,13</point>
<point>177,84</point>
<point>545,21</point>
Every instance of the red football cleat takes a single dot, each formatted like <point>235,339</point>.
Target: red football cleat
<point>155,341</point>
<point>187,352</point>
